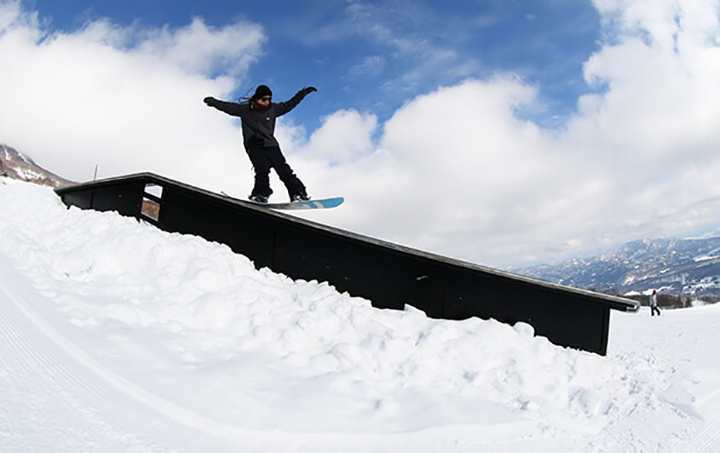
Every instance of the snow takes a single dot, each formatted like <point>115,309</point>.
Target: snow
<point>116,336</point>
<point>706,258</point>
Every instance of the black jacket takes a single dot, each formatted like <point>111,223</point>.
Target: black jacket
<point>258,126</point>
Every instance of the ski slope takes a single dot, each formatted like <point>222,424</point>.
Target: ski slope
<point>116,336</point>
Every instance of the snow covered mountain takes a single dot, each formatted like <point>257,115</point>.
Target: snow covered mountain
<point>681,267</point>
<point>15,165</point>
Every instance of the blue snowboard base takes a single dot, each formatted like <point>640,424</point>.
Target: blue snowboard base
<point>324,203</point>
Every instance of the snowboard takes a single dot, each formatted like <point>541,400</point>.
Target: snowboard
<point>323,203</point>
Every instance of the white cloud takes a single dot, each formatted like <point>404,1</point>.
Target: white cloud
<point>655,128</point>
<point>455,171</point>
<point>202,50</point>
<point>451,168</point>
<point>127,99</point>
<point>344,138</point>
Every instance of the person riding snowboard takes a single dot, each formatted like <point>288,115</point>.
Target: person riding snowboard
<point>258,116</point>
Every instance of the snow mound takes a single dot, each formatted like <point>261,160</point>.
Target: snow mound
<point>198,327</point>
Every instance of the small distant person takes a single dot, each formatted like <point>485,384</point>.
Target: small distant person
<point>258,115</point>
<point>653,304</point>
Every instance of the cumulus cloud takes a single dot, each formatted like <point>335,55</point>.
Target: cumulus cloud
<point>456,171</point>
<point>459,172</point>
<point>126,99</point>
<point>455,167</point>
<point>653,129</point>
<point>203,50</point>
<point>344,137</point>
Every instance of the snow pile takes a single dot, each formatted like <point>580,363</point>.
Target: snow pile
<point>197,333</point>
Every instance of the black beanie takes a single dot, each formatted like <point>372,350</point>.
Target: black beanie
<point>262,90</point>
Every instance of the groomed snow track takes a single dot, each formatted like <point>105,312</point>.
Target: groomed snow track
<point>387,274</point>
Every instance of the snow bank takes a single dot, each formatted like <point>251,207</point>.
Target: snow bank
<point>197,326</point>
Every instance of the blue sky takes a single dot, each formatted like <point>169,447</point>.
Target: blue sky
<point>499,132</point>
<point>376,55</point>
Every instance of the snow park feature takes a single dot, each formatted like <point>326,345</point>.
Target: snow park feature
<point>389,275</point>
<point>116,336</point>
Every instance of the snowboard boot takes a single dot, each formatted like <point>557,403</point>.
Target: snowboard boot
<point>259,199</point>
<point>300,196</point>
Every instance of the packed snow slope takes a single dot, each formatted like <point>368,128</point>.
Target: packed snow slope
<point>116,336</point>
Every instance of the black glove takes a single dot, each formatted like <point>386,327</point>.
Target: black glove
<point>309,90</point>
<point>210,101</point>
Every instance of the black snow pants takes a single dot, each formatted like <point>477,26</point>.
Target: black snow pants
<point>263,159</point>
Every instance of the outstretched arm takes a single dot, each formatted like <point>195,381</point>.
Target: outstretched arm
<point>231,108</point>
<point>284,107</point>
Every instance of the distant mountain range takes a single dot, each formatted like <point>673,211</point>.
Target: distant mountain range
<point>689,268</point>
<point>15,165</point>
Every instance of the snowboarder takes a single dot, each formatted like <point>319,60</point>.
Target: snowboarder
<point>258,115</point>
<point>653,304</point>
